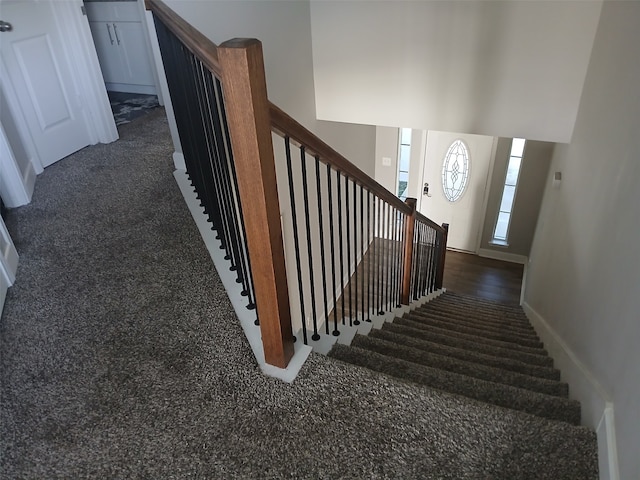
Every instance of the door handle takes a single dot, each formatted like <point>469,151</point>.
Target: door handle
<point>5,26</point>
<point>110,36</point>
<point>115,30</point>
<point>425,190</point>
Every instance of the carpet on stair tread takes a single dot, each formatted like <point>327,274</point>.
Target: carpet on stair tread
<point>471,337</point>
<point>481,304</point>
<point>472,317</point>
<point>497,361</point>
<point>505,336</point>
<point>546,406</point>
<point>455,310</point>
<point>460,342</point>
<point>483,372</point>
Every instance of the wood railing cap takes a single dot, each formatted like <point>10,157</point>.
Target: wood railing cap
<point>240,43</point>
<point>286,126</point>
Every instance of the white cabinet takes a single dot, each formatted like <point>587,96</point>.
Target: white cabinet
<point>119,37</point>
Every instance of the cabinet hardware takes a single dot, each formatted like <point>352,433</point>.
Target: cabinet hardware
<point>110,36</point>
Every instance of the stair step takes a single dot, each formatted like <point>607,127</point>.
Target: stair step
<point>472,337</point>
<point>447,338</point>
<point>468,355</point>
<point>468,316</point>
<point>547,406</point>
<point>469,311</point>
<point>450,364</point>
<point>506,336</point>
<point>483,305</point>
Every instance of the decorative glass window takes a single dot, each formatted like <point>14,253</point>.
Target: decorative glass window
<point>404,158</point>
<point>455,171</point>
<point>501,231</point>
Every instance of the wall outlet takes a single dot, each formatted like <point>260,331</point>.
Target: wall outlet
<point>386,161</point>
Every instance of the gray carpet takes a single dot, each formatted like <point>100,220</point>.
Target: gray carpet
<point>121,357</point>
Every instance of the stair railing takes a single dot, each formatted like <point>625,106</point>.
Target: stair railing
<point>354,249</point>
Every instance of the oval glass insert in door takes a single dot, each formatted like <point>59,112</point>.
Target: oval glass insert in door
<point>455,171</point>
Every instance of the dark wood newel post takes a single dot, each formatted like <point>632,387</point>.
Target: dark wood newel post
<point>442,254</point>
<point>409,229</point>
<point>247,107</point>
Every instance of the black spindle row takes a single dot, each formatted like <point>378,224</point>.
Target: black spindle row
<point>426,250</point>
<point>198,106</point>
<point>353,242</point>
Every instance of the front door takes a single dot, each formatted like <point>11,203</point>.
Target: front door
<point>39,73</point>
<point>457,169</point>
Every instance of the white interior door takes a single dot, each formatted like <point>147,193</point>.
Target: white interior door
<point>465,215</point>
<point>8,262</point>
<point>40,74</point>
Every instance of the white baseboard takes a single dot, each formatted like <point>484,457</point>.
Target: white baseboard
<point>29,178</point>
<point>4,286</point>
<point>596,404</point>
<point>178,161</point>
<point>239,302</point>
<point>504,256</point>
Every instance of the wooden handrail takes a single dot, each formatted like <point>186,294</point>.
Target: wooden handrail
<point>427,221</point>
<point>203,48</point>
<point>286,126</point>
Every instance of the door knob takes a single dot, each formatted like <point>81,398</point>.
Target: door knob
<point>5,26</point>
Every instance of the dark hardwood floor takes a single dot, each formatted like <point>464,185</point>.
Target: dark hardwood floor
<point>483,277</point>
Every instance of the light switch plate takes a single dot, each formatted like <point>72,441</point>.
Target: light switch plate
<point>386,161</point>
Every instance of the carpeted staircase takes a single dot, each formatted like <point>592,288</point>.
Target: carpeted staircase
<point>472,347</point>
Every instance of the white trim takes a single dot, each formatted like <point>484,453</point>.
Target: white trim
<point>83,59</point>
<point>239,302</point>
<point>18,119</point>
<point>487,189</point>
<point>178,161</point>
<point>8,256</point>
<point>504,256</point>
<point>596,404</point>
<point>13,189</point>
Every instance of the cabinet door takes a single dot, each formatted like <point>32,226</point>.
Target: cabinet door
<point>135,58</point>
<point>108,52</point>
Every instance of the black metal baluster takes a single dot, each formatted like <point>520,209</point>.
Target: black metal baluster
<point>397,221</point>
<point>241,233</point>
<point>362,290</point>
<point>370,258</point>
<point>322,258</point>
<point>295,236</point>
<point>305,193</point>
<point>348,222</point>
<point>425,252</point>
<point>336,332</point>
<point>420,260</point>
<point>339,182</point>
<point>396,261</point>
<point>389,257</point>
<point>223,189</point>
<point>434,258</point>
<point>355,254</point>
<point>379,262</point>
<point>414,259</point>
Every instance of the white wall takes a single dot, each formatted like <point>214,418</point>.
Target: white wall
<point>499,68</point>
<point>584,276</point>
<point>284,29</point>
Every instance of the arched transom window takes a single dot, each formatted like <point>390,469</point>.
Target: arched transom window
<point>455,171</point>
